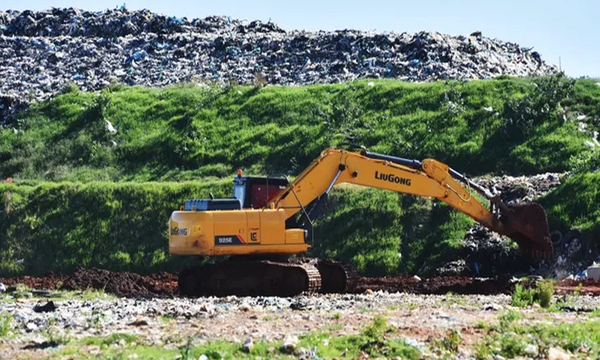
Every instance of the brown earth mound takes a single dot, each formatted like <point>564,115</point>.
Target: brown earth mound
<point>118,283</point>
<point>584,287</point>
<point>122,283</point>
<point>436,285</point>
<point>48,282</point>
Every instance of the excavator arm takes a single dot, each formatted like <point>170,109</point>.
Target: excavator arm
<point>526,224</point>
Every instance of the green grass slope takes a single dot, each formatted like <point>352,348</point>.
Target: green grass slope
<point>85,197</point>
<point>193,132</point>
<point>123,226</point>
<point>576,204</point>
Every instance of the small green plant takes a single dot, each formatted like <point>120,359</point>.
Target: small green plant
<point>184,351</point>
<point>508,318</point>
<point>337,315</point>
<point>451,341</point>
<point>522,297</point>
<point>377,328</point>
<point>512,346</point>
<point>5,324</point>
<point>21,291</point>
<point>483,351</point>
<point>544,292</point>
<point>541,294</point>
<point>482,325</point>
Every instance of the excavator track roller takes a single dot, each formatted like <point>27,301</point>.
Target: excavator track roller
<point>337,277</point>
<point>249,278</point>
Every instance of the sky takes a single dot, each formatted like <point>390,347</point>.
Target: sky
<point>565,33</point>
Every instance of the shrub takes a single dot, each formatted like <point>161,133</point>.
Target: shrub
<point>541,294</point>
<point>544,292</point>
<point>538,106</point>
<point>522,297</point>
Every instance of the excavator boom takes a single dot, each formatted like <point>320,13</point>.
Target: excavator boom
<point>526,224</point>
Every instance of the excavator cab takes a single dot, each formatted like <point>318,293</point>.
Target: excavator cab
<point>255,192</point>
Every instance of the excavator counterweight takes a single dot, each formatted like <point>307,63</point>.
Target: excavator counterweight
<point>270,218</point>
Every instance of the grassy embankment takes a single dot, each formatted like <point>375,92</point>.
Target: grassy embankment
<point>82,197</point>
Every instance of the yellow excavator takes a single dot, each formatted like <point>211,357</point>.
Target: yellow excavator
<point>268,220</point>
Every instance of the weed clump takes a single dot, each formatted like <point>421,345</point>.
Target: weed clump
<point>541,294</point>
<point>544,290</point>
<point>5,324</point>
<point>522,297</point>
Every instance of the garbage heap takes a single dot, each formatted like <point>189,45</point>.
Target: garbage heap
<point>41,53</point>
<point>486,253</point>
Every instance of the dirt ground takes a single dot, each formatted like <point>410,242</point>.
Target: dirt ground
<point>165,284</point>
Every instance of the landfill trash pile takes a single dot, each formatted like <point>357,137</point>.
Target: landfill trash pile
<point>41,53</point>
<point>486,253</point>
<point>519,189</point>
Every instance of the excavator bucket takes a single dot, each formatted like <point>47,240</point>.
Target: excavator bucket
<point>527,225</point>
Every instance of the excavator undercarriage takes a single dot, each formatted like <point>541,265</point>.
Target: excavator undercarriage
<point>270,218</point>
<point>290,277</point>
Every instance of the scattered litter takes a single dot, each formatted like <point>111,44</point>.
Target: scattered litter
<point>109,127</point>
<point>558,354</point>
<point>248,345</point>
<point>593,272</point>
<point>48,307</point>
<point>290,343</point>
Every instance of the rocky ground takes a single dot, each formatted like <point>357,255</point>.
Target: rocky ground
<point>42,52</point>
<point>169,323</point>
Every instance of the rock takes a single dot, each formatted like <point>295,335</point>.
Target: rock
<point>368,291</point>
<point>48,307</point>
<point>290,343</point>
<point>493,307</point>
<point>139,322</point>
<point>363,356</point>
<point>31,327</point>
<point>583,349</point>
<point>2,288</point>
<point>558,354</point>
<point>531,350</point>
<point>203,357</point>
<point>417,278</point>
<point>248,345</point>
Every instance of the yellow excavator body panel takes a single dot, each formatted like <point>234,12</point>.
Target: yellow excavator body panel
<point>233,232</point>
